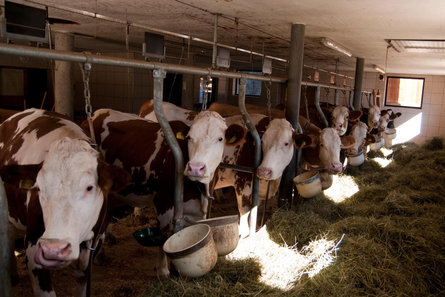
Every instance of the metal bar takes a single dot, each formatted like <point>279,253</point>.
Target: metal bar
<point>159,75</point>
<point>9,49</point>
<point>359,70</point>
<point>215,41</point>
<point>317,106</point>
<point>295,74</point>
<point>5,256</point>
<point>336,97</point>
<point>257,140</point>
<point>237,167</point>
<point>313,84</point>
<point>144,27</point>
<point>330,72</point>
<point>351,99</point>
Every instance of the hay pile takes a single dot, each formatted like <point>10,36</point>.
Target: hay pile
<point>393,245</point>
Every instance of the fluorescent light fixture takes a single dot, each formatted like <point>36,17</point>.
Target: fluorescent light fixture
<point>379,69</point>
<point>329,43</point>
<point>418,45</point>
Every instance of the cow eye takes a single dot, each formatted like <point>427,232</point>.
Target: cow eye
<point>187,137</point>
<point>286,144</point>
<point>321,144</point>
<point>90,188</point>
<point>220,139</point>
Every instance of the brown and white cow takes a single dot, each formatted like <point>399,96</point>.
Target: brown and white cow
<point>172,112</point>
<point>58,192</point>
<point>138,146</point>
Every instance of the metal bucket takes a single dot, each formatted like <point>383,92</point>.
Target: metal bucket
<point>192,250</point>
<point>356,159</point>
<point>308,184</point>
<point>225,233</point>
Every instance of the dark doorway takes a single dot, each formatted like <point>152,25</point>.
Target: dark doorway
<point>173,88</point>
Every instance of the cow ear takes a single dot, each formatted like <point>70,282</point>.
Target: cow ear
<point>112,178</point>
<point>21,176</point>
<point>383,112</point>
<point>301,140</point>
<point>347,141</point>
<point>234,134</point>
<point>355,115</point>
<point>395,115</point>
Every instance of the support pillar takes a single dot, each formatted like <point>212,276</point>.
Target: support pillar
<point>63,77</point>
<point>293,102</point>
<point>359,68</point>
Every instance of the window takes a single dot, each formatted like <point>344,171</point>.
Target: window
<point>253,87</point>
<point>404,91</point>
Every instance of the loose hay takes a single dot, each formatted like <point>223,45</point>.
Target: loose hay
<point>393,244</point>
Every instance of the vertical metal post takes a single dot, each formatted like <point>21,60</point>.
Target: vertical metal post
<point>257,140</point>
<point>5,279</point>
<point>351,99</point>
<point>359,69</point>
<point>159,75</point>
<point>336,97</point>
<point>215,40</point>
<point>317,106</point>
<point>293,102</point>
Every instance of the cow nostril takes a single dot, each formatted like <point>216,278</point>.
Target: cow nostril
<point>202,169</point>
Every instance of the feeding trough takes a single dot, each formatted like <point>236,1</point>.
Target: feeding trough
<point>225,233</point>
<point>192,250</point>
<point>356,159</point>
<point>308,184</point>
<point>149,237</point>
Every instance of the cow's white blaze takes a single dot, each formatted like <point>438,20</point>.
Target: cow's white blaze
<point>373,116</point>
<point>330,146</point>
<point>277,146</point>
<point>340,118</point>
<point>206,140</point>
<point>69,195</point>
<point>359,131</point>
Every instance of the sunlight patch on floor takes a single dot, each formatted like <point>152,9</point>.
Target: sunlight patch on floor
<point>343,187</point>
<point>282,266</point>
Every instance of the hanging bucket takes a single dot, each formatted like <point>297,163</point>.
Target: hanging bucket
<point>149,237</point>
<point>225,233</point>
<point>356,159</point>
<point>192,250</point>
<point>308,184</point>
<point>377,145</point>
<point>390,133</point>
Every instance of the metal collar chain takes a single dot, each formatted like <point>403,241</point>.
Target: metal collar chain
<point>86,88</point>
<point>269,103</point>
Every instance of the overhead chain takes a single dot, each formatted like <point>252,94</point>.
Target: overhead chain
<point>85,69</point>
<point>269,103</point>
<point>308,123</point>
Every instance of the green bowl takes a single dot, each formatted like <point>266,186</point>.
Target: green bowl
<point>149,237</point>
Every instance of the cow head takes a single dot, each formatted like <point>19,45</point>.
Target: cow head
<point>340,118</point>
<point>278,147</point>
<point>387,118</point>
<point>206,140</point>
<point>373,117</point>
<point>360,133</point>
<point>71,194</point>
<point>330,145</point>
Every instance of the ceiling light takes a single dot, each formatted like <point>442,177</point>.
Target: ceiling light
<point>329,43</point>
<point>379,69</point>
<point>418,46</point>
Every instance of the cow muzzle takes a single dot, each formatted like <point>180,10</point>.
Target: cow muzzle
<point>197,169</point>
<point>334,168</point>
<point>52,252</point>
<point>264,173</point>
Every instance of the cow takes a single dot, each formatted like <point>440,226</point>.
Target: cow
<point>138,146</point>
<point>59,192</point>
<point>172,112</point>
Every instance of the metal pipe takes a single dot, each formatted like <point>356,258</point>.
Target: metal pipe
<point>317,106</point>
<point>5,256</point>
<point>17,50</point>
<point>215,41</point>
<point>257,157</point>
<point>336,97</point>
<point>359,71</point>
<point>147,28</point>
<point>313,84</point>
<point>237,167</point>
<point>159,75</point>
<point>295,74</point>
<point>351,99</point>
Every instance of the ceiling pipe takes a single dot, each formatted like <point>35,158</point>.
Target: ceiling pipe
<point>215,42</point>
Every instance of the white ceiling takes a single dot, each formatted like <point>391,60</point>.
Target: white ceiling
<point>265,26</point>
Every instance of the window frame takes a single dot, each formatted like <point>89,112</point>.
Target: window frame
<point>388,78</point>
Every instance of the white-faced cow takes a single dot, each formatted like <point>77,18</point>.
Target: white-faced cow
<point>139,147</point>
<point>57,190</point>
